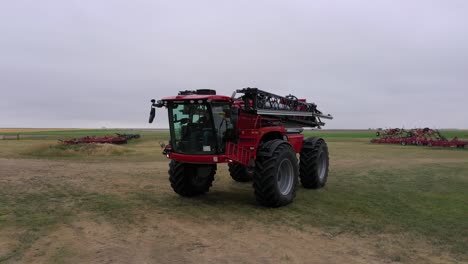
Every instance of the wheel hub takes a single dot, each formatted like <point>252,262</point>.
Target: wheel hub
<point>322,165</point>
<point>285,177</point>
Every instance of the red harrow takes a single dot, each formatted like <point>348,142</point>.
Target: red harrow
<point>98,140</point>
<point>418,136</point>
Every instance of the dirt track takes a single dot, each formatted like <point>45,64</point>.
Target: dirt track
<point>157,237</point>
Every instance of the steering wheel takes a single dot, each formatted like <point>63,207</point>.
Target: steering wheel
<point>182,121</point>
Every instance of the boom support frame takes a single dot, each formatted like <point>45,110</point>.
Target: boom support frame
<point>289,108</point>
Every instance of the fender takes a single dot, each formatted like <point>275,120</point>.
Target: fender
<point>310,142</point>
<point>267,149</point>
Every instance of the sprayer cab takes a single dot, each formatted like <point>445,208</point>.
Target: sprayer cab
<point>198,121</point>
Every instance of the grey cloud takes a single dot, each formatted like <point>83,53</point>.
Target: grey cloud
<point>97,63</point>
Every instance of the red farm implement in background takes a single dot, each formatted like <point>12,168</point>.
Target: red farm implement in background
<point>119,139</point>
<point>418,136</point>
<point>97,140</point>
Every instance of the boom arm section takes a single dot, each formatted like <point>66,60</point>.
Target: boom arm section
<point>288,108</point>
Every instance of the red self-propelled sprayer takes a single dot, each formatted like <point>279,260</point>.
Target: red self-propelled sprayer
<point>258,134</point>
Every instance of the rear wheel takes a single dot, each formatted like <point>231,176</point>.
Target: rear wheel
<point>276,176</point>
<point>239,172</point>
<point>191,179</point>
<point>314,163</point>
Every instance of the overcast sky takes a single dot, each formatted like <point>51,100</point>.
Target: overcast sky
<point>98,63</point>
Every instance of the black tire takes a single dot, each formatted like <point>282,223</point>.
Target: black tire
<point>314,163</point>
<point>239,172</point>
<point>191,179</point>
<point>270,191</point>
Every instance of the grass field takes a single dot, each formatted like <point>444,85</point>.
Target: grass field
<point>70,133</point>
<point>382,204</point>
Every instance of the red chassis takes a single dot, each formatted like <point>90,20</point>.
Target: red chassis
<point>243,152</point>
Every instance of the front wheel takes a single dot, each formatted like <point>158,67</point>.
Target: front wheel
<point>239,172</point>
<point>191,179</point>
<point>276,176</point>
<point>314,163</point>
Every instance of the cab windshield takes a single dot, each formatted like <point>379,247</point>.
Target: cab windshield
<point>197,128</point>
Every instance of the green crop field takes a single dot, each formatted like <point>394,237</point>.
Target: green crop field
<point>105,203</point>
